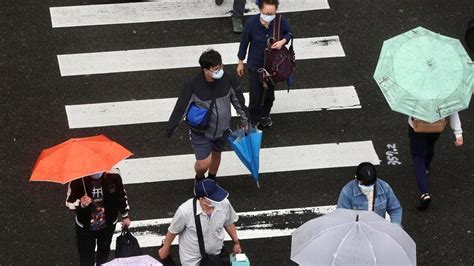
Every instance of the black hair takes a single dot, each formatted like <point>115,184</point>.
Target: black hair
<point>366,174</point>
<point>268,2</point>
<point>209,59</point>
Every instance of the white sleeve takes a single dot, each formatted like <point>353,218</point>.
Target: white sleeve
<point>455,123</point>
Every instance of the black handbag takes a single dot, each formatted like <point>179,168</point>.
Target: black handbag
<point>223,259</point>
<point>127,245</point>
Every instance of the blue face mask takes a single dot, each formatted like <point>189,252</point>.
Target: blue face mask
<point>218,74</point>
<point>267,18</point>
<point>366,189</point>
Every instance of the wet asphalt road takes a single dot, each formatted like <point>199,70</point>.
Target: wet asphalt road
<point>38,229</point>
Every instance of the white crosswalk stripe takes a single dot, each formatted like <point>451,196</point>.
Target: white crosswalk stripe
<point>159,110</point>
<point>180,57</point>
<point>259,229</point>
<point>279,159</point>
<point>161,10</point>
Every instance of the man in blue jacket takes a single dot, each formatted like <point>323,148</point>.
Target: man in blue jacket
<point>367,192</point>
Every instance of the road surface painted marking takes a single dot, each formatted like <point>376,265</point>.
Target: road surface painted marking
<point>159,110</point>
<point>180,57</point>
<point>161,10</point>
<point>277,159</point>
<point>258,224</point>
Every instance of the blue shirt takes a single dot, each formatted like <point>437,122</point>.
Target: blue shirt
<point>256,35</point>
<point>385,201</point>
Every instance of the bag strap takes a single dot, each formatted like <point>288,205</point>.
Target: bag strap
<point>197,220</point>
<point>276,28</point>
<point>374,196</point>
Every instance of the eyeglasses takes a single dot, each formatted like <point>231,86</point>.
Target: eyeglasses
<point>216,69</point>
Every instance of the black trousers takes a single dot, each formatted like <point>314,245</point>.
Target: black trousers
<point>86,243</point>
<point>238,8</point>
<point>260,103</point>
<point>422,146</point>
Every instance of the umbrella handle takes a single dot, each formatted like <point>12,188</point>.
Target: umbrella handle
<point>84,186</point>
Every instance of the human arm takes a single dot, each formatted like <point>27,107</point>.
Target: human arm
<point>238,101</point>
<point>180,108</point>
<point>244,43</point>
<point>344,202</point>
<point>286,33</point>
<point>232,231</point>
<point>77,199</point>
<point>394,209</point>
<point>164,251</point>
<point>230,228</point>
<point>455,123</point>
<point>121,197</point>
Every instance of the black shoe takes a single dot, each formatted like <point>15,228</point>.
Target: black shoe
<point>424,202</point>
<point>266,122</point>
<point>219,2</point>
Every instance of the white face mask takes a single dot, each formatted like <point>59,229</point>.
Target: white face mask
<point>97,175</point>
<point>218,74</point>
<point>366,189</point>
<point>267,18</point>
<point>211,204</point>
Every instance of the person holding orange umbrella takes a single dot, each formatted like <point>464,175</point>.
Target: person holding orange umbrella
<point>97,213</point>
<point>95,192</point>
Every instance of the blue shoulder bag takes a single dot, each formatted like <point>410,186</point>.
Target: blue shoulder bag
<point>198,117</point>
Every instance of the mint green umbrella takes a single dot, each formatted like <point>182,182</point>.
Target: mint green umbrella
<point>425,75</point>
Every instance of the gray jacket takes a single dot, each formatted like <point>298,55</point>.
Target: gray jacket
<point>201,92</point>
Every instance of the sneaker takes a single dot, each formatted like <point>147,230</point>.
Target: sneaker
<point>237,26</point>
<point>219,2</point>
<point>424,202</point>
<point>266,122</point>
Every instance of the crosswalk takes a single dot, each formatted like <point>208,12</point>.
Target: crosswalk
<point>172,168</point>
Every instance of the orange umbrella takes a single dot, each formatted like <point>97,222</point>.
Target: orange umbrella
<point>76,158</point>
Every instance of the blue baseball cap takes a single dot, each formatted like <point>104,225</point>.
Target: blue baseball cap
<point>209,189</point>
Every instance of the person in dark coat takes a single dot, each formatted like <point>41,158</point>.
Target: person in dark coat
<point>97,210</point>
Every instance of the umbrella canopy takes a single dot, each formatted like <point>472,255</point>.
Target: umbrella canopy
<point>247,148</point>
<point>78,157</point>
<point>425,75</point>
<point>348,237</point>
<point>136,260</point>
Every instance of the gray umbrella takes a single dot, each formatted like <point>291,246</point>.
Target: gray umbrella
<point>348,237</point>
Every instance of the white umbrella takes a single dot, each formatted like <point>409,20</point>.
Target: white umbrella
<point>348,237</point>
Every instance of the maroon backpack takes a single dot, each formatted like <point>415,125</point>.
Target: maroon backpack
<point>279,65</point>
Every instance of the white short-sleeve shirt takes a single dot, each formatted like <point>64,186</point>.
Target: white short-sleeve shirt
<point>184,226</point>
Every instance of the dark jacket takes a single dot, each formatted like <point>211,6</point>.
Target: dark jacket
<point>115,199</point>
<point>256,35</point>
<point>226,92</point>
